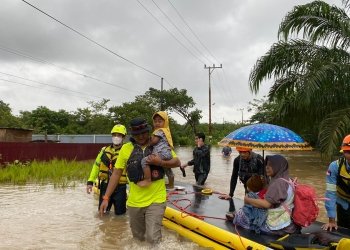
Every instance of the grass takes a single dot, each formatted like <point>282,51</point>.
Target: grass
<point>61,173</point>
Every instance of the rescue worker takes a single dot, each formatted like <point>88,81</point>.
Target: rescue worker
<point>338,190</point>
<point>146,205</point>
<point>245,165</point>
<point>103,168</point>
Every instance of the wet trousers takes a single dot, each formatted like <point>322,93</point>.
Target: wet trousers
<point>200,178</point>
<point>343,216</point>
<point>118,198</point>
<point>146,222</point>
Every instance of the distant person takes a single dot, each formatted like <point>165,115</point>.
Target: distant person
<point>338,190</point>
<point>162,143</point>
<point>226,151</point>
<point>102,169</point>
<point>146,205</point>
<point>245,165</point>
<point>201,160</point>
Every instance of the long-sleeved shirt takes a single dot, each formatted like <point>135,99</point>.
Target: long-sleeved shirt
<point>260,170</point>
<point>201,160</point>
<point>331,190</point>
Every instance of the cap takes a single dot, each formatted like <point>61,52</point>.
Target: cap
<point>139,126</point>
<point>243,149</point>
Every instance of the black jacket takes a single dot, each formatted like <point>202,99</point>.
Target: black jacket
<point>259,169</point>
<point>201,159</point>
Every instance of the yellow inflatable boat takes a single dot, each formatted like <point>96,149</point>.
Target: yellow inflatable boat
<point>199,215</point>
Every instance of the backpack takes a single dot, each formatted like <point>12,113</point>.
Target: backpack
<point>306,208</point>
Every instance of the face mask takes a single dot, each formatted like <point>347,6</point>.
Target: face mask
<point>117,140</point>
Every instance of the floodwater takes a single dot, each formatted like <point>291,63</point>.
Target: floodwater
<point>44,217</point>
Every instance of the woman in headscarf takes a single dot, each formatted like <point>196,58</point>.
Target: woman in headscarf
<point>278,198</point>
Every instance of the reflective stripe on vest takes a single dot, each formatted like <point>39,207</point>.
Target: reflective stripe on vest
<point>343,180</point>
<point>106,169</point>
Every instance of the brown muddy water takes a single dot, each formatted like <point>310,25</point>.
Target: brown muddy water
<point>44,217</point>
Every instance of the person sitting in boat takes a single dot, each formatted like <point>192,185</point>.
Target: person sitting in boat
<point>255,216</point>
<point>278,197</point>
<point>226,151</point>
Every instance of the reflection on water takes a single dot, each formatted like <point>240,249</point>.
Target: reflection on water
<point>42,217</point>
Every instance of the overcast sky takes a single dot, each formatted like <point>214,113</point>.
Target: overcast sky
<point>125,47</point>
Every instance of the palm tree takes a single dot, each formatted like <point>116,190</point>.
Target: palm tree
<point>311,74</point>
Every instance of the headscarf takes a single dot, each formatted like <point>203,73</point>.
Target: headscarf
<point>166,129</point>
<point>277,189</point>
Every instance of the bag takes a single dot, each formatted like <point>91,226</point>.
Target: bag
<point>134,168</point>
<point>306,208</point>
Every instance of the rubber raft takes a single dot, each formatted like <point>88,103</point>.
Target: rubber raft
<point>199,215</point>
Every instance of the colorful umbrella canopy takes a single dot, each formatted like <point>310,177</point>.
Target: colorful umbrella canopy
<point>266,137</point>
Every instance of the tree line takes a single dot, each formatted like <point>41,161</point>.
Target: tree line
<point>308,69</point>
<point>99,118</point>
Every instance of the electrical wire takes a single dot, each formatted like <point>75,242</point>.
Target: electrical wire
<point>192,31</point>
<point>19,53</point>
<point>195,56</point>
<point>91,40</point>
<point>5,80</point>
<point>46,84</point>
<point>178,29</point>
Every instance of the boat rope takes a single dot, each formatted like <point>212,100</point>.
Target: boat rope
<point>185,212</point>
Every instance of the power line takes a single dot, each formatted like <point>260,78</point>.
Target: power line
<point>200,60</point>
<point>178,29</point>
<point>192,31</point>
<point>19,53</point>
<point>46,84</point>
<point>41,88</point>
<point>91,40</point>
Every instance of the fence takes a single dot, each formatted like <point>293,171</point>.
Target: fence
<point>29,151</point>
<point>106,139</point>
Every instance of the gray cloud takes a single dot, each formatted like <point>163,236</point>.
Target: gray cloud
<point>236,32</point>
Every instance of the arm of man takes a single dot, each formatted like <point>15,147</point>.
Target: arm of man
<point>233,182</point>
<point>94,172</point>
<point>157,161</point>
<point>331,195</point>
<point>234,176</point>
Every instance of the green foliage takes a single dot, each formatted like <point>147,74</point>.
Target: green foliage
<point>310,75</point>
<point>6,118</point>
<point>60,173</point>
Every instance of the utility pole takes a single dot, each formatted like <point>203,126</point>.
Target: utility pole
<point>241,109</point>
<point>161,98</point>
<point>210,69</point>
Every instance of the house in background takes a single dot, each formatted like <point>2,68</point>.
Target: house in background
<point>15,134</point>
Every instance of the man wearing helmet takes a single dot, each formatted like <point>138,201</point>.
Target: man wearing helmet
<point>103,167</point>
<point>338,189</point>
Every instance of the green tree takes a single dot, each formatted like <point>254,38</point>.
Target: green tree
<point>177,101</point>
<point>310,75</point>
<point>264,111</point>
<point>44,120</point>
<point>6,117</point>
<point>173,101</point>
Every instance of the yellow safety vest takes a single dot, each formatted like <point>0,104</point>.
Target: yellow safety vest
<point>107,160</point>
<point>343,180</point>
